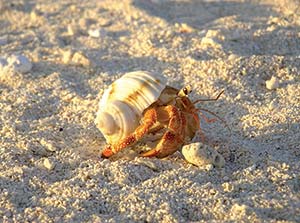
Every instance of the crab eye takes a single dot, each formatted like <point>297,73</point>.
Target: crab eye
<point>185,91</point>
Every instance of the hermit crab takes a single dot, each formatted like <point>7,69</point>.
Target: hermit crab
<point>140,106</point>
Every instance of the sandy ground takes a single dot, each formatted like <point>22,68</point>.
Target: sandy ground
<point>51,170</point>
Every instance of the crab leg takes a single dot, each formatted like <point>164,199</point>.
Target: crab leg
<point>149,119</point>
<point>173,137</point>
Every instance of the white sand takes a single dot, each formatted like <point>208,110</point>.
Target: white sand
<point>50,162</point>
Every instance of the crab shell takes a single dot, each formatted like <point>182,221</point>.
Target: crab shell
<point>122,104</point>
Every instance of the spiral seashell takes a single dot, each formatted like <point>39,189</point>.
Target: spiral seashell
<point>122,104</point>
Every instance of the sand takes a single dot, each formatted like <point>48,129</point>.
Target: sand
<point>51,170</point>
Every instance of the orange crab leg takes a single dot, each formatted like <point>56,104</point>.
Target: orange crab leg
<point>149,119</point>
<point>173,137</point>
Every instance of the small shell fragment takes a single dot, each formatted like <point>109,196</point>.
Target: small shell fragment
<point>97,33</point>
<point>48,164</point>
<point>19,63</point>
<point>273,83</point>
<point>200,154</point>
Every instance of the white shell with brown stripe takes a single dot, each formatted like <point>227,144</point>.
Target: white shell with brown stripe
<point>122,104</point>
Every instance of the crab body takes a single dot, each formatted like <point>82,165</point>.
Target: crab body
<point>141,106</point>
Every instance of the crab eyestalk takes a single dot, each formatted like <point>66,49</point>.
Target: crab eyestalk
<point>185,91</point>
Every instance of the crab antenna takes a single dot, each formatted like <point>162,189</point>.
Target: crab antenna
<point>215,115</point>
<point>209,99</point>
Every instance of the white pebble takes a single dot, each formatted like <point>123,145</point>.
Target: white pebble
<point>273,83</point>
<point>97,33</point>
<point>19,63</point>
<point>48,164</point>
<point>202,155</point>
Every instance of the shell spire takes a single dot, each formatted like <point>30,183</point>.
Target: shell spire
<point>122,104</point>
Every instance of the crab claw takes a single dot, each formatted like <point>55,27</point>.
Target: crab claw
<point>107,152</point>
